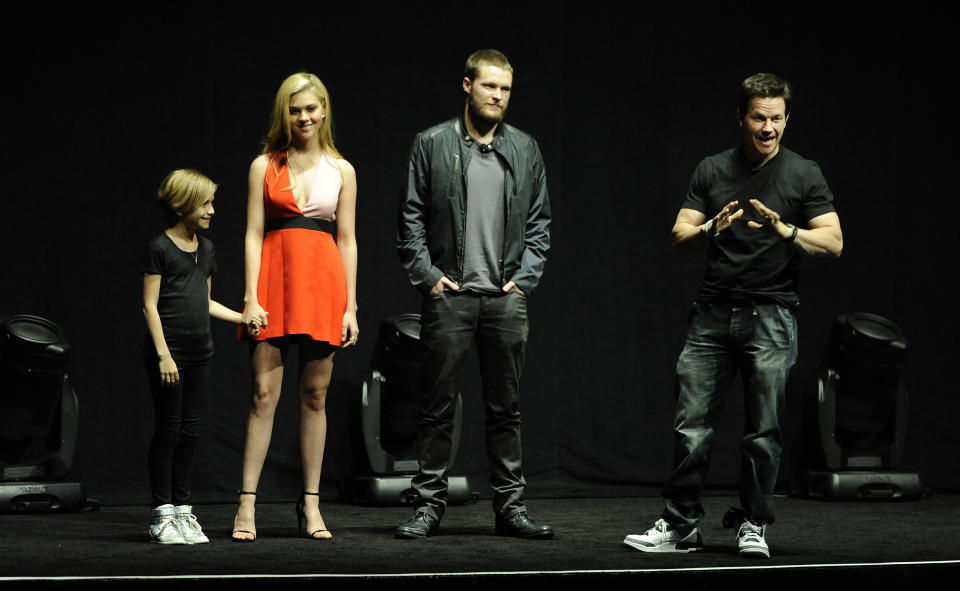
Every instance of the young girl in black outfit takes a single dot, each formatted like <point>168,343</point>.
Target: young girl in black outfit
<point>177,266</point>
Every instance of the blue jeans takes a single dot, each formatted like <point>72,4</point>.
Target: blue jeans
<point>450,324</point>
<point>759,340</point>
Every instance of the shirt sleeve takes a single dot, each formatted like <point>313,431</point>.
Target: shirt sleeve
<point>412,222</point>
<point>817,197</point>
<point>153,259</point>
<point>537,230</point>
<point>698,190</point>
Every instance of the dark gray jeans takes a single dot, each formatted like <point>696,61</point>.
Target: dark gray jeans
<point>760,341</point>
<point>450,323</point>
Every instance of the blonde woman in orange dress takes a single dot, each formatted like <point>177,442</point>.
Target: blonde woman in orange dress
<point>301,265</point>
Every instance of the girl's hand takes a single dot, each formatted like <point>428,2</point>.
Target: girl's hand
<point>169,376</point>
<point>350,332</point>
<point>252,327</point>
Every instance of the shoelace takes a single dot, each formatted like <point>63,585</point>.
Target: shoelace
<point>659,527</point>
<point>750,531</point>
<point>191,522</point>
<point>166,524</point>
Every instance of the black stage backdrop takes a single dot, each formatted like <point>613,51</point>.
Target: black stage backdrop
<point>101,103</point>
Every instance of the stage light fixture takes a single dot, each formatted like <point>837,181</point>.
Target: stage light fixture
<point>390,399</point>
<point>39,418</point>
<point>860,414</point>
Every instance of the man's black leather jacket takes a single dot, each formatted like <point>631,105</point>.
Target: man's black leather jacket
<point>430,235</point>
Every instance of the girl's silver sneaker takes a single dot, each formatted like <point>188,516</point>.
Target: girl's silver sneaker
<point>189,525</point>
<point>165,526</point>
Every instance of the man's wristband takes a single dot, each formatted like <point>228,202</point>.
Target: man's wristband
<point>706,226</point>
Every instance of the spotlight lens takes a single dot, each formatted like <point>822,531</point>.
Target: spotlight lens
<point>33,330</point>
<point>875,329</point>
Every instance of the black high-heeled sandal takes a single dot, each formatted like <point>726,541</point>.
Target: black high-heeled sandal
<point>243,531</point>
<point>301,517</point>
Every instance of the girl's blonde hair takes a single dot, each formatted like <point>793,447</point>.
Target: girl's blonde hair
<point>182,191</point>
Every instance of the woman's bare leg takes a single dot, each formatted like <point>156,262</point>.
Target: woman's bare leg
<point>267,364</point>
<point>316,367</point>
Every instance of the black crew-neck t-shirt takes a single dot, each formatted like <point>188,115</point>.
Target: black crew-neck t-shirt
<point>184,299</point>
<point>749,263</point>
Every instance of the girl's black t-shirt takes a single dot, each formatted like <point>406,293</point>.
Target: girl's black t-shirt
<point>184,299</point>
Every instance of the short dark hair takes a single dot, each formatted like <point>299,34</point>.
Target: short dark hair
<point>762,85</point>
<point>490,57</point>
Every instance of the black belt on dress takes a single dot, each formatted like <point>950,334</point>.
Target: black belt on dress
<point>301,222</point>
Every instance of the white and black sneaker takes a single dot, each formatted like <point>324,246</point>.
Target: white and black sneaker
<point>663,537</point>
<point>751,542</point>
<point>165,527</point>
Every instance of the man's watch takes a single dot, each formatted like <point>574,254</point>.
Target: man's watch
<point>793,234</point>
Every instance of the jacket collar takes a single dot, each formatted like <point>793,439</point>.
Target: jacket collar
<point>461,125</point>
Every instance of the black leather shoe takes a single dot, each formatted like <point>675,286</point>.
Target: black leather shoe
<point>521,526</point>
<point>420,526</point>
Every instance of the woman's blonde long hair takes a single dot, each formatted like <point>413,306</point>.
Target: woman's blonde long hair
<point>279,137</point>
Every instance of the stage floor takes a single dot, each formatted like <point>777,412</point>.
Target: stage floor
<point>860,540</point>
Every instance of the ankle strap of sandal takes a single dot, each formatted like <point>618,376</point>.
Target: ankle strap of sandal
<point>246,492</point>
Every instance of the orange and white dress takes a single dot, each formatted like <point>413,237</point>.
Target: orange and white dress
<point>301,285</point>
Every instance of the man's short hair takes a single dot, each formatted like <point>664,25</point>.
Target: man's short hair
<point>762,85</point>
<point>489,57</point>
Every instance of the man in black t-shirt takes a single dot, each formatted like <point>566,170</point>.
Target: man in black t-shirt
<point>748,204</point>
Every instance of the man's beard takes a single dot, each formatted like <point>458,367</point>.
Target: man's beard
<point>480,118</point>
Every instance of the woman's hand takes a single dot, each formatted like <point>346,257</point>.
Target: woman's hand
<point>254,318</point>
<point>350,332</point>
